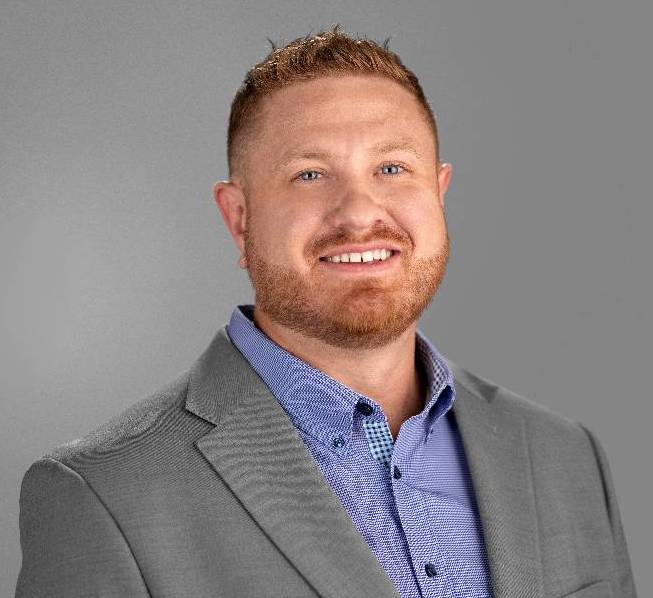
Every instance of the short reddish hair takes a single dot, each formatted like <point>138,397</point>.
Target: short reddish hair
<point>327,53</point>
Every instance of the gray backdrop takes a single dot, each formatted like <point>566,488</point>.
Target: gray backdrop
<point>117,269</point>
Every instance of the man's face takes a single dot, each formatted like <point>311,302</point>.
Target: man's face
<point>355,197</point>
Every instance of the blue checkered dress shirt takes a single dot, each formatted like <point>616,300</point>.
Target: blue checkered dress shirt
<point>411,500</point>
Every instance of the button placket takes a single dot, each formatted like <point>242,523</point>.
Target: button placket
<point>434,578</point>
<point>379,439</point>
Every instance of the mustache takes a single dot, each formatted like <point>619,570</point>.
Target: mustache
<point>379,232</point>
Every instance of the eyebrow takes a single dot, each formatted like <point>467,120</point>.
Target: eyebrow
<point>377,149</point>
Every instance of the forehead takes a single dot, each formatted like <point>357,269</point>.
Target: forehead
<point>343,105</point>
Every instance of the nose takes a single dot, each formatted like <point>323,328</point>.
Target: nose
<point>356,209</point>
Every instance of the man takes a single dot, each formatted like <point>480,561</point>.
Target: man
<point>321,445</point>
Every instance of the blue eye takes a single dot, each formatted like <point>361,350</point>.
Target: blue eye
<point>301,174</point>
<point>390,166</point>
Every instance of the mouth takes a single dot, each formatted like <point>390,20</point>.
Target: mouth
<point>374,264</point>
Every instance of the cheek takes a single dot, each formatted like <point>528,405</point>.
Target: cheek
<point>285,235</point>
<point>426,226</point>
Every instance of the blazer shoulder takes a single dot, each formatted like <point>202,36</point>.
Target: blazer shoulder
<point>501,397</point>
<point>136,422</point>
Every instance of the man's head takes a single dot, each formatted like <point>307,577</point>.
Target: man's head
<point>333,150</point>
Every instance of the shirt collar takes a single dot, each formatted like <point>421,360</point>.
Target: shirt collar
<point>318,404</point>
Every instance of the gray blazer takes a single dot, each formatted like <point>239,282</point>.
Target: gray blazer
<point>205,489</point>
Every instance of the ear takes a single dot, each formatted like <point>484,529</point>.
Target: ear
<point>444,176</point>
<point>231,201</point>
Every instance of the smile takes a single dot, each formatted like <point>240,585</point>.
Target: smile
<point>376,261</point>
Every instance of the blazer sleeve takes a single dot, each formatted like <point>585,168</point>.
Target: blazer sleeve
<point>623,583</point>
<point>71,544</point>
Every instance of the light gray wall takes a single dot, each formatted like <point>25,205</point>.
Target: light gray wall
<point>117,270</point>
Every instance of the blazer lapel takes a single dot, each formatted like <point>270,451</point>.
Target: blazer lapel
<point>257,451</point>
<point>496,448</point>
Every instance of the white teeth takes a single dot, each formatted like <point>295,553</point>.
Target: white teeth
<point>365,256</point>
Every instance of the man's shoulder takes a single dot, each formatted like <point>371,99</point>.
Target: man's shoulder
<point>141,423</point>
<point>536,415</point>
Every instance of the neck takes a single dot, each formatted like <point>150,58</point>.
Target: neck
<point>388,375</point>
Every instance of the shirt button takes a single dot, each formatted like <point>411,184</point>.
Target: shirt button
<point>396,473</point>
<point>364,408</point>
<point>430,569</point>
<point>338,441</point>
